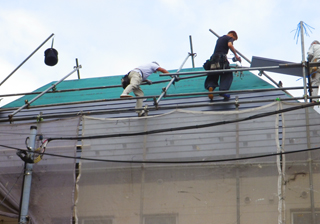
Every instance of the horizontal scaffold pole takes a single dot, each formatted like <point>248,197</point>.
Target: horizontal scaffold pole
<point>290,65</point>
<point>154,82</point>
<point>167,96</point>
<point>158,108</point>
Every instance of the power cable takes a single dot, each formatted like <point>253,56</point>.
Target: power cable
<point>171,162</point>
<point>188,127</point>
<point>199,132</point>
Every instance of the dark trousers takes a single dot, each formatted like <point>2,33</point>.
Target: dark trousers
<point>226,79</point>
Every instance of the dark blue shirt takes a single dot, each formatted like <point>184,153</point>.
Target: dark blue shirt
<point>222,45</point>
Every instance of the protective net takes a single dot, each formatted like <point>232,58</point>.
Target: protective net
<point>53,178</point>
<point>201,167</point>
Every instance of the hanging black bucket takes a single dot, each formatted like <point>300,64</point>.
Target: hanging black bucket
<point>51,57</point>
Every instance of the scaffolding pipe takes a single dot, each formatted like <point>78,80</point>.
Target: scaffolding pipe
<point>238,69</point>
<point>167,96</point>
<point>307,127</point>
<point>191,49</point>
<point>26,59</point>
<point>37,97</point>
<point>81,89</point>
<point>155,82</point>
<point>303,61</point>
<point>116,111</point>
<point>77,65</point>
<point>174,78</point>
<point>274,82</point>
<point>310,163</point>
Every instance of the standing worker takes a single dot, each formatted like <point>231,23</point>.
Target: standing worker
<point>137,76</point>
<point>314,56</point>
<point>219,57</point>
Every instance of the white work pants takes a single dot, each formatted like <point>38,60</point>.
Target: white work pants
<point>135,81</point>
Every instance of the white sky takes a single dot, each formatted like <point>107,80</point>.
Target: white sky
<point>111,37</point>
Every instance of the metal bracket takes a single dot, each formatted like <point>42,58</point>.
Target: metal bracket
<point>27,104</point>
<point>155,103</point>
<point>236,103</point>
<point>144,112</point>
<point>39,118</point>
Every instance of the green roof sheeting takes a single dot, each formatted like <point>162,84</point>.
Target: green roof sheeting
<point>245,80</point>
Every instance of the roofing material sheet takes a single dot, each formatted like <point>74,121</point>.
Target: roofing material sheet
<point>264,62</point>
<point>243,80</point>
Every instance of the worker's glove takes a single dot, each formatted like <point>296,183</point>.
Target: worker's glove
<point>149,82</point>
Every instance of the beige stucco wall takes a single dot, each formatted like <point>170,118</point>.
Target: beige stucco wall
<point>197,196</point>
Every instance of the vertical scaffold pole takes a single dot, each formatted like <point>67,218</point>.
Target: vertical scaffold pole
<point>313,216</point>
<point>303,63</point>
<point>28,168</point>
<point>191,49</point>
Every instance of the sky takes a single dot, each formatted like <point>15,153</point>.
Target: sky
<point>112,37</point>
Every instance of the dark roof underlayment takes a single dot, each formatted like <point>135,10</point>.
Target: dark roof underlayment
<point>102,97</point>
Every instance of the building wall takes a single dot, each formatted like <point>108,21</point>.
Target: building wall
<point>206,194</point>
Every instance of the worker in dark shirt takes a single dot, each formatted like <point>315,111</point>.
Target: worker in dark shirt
<point>219,56</point>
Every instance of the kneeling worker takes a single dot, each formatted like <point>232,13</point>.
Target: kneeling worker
<point>137,76</point>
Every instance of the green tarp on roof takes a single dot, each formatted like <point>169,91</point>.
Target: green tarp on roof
<point>244,80</point>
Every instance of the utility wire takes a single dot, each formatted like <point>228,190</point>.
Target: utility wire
<point>170,162</point>
<point>189,127</point>
<point>198,132</point>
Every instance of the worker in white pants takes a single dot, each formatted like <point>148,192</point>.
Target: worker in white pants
<point>137,76</point>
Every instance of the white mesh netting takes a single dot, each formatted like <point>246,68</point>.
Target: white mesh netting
<point>130,189</point>
<point>53,178</point>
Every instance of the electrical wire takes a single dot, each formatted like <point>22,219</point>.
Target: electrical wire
<point>171,162</point>
<point>177,129</point>
<point>157,131</point>
<point>211,131</point>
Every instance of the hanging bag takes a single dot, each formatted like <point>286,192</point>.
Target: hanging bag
<point>125,81</point>
<point>216,61</point>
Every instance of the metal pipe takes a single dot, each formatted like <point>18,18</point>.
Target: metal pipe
<point>234,91</point>
<point>303,61</point>
<point>242,69</point>
<point>172,80</point>
<point>27,179</point>
<point>81,89</point>
<point>116,111</point>
<point>155,82</point>
<point>191,48</point>
<point>37,97</point>
<point>310,164</point>
<point>274,82</point>
<point>77,65</point>
<point>26,59</point>
<point>235,48</point>
<point>204,73</point>
<point>167,96</point>
<point>307,127</point>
